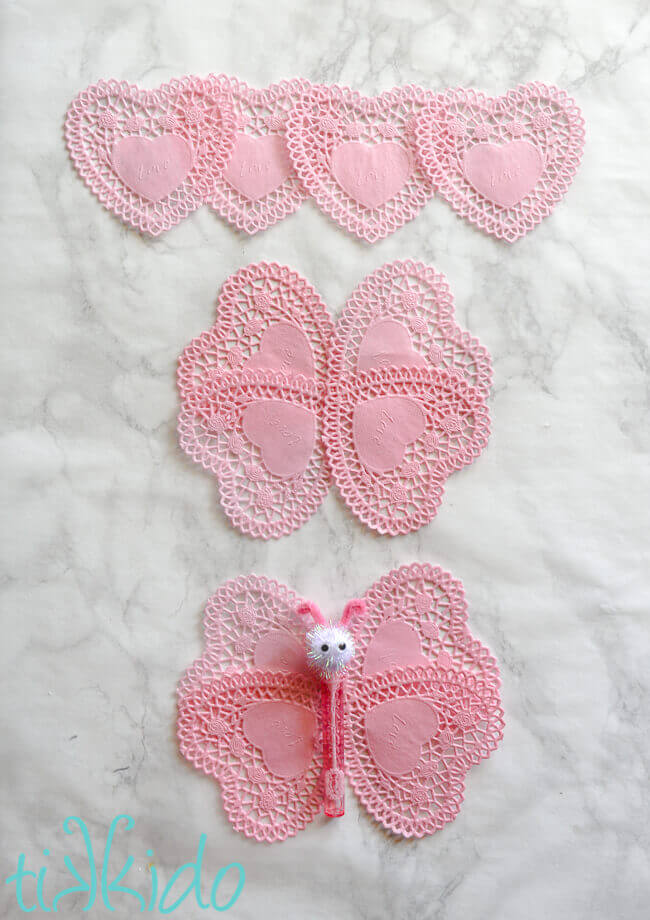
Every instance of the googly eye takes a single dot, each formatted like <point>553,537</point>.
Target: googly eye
<point>342,646</point>
<point>324,648</point>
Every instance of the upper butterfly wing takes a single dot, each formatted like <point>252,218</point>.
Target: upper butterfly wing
<point>248,710</point>
<point>423,701</point>
<point>251,623</point>
<point>402,315</point>
<point>269,318</point>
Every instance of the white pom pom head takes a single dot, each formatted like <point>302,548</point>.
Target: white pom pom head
<point>330,648</point>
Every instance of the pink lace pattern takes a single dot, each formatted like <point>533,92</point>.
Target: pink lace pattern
<point>151,156</point>
<point>252,390</point>
<point>260,185</point>
<point>356,156</point>
<point>406,400</point>
<point>417,665</point>
<point>502,162</point>
<point>416,297</point>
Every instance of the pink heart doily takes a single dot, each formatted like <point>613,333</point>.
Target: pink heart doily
<point>151,156</point>
<point>502,162</point>
<point>259,185</point>
<point>356,156</point>
<point>252,390</point>
<point>406,397</point>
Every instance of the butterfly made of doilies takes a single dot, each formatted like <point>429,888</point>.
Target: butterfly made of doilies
<point>397,697</point>
<point>390,400</point>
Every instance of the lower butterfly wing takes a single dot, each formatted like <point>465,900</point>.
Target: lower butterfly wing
<point>412,734</point>
<point>258,734</point>
<point>259,433</point>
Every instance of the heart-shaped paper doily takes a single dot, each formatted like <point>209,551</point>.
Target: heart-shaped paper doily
<point>259,185</point>
<point>503,162</point>
<point>402,315</point>
<point>285,434</point>
<point>356,156</point>
<point>151,156</point>
<point>252,390</point>
<point>406,394</point>
<point>402,492</point>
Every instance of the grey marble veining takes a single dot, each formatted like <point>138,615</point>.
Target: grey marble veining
<point>113,539</point>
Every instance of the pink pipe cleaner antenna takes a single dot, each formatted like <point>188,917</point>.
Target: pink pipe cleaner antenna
<point>355,608</point>
<point>307,609</point>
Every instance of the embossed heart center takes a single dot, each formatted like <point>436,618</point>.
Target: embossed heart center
<point>503,174</point>
<point>152,168</point>
<point>284,432</point>
<point>258,165</point>
<point>395,644</point>
<point>284,348</point>
<point>371,174</point>
<point>284,732</point>
<point>396,731</point>
<point>278,651</point>
<point>383,427</point>
<point>387,343</point>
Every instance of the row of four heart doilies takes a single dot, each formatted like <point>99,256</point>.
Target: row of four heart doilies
<point>371,163</point>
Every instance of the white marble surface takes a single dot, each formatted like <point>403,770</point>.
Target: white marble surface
<point>114,540</point>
